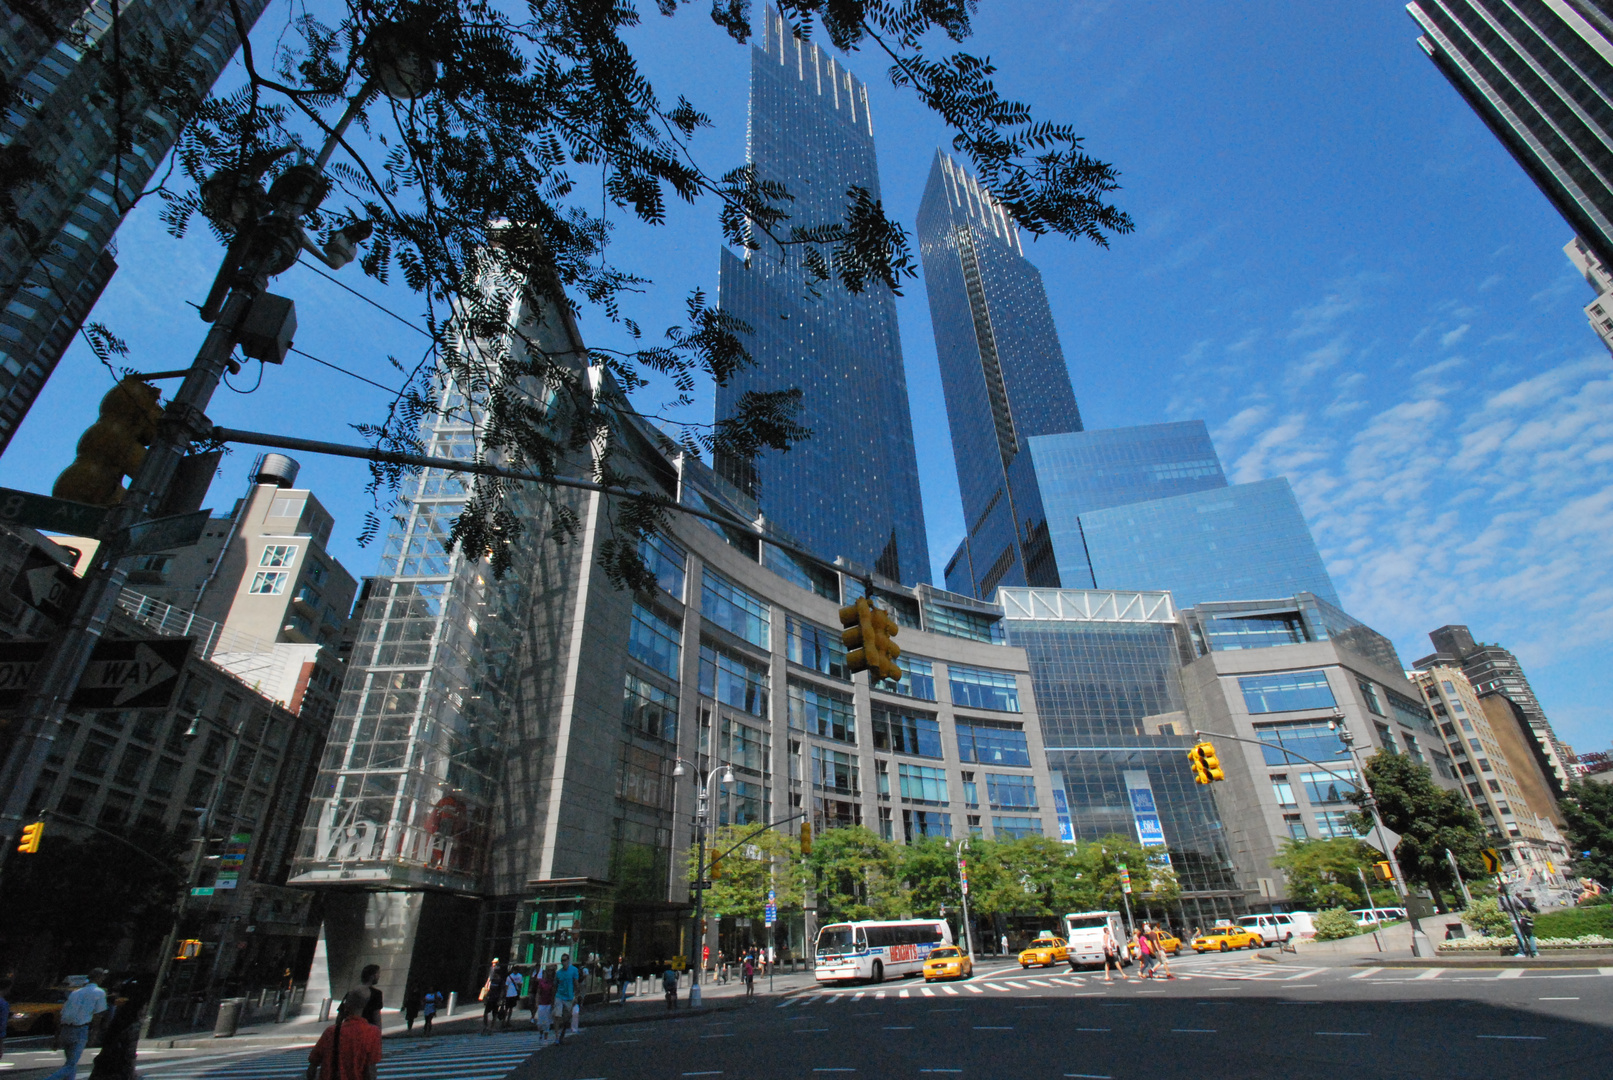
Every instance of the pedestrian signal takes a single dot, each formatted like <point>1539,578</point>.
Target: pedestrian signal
<point>1384,871</point>
<point>189,949</point>
<point>806,837</point>
<point>29,844</point>
<point>113,447</point>
<point>867,635</point>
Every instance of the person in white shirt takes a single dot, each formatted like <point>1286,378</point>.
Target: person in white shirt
<point>84,1007</point>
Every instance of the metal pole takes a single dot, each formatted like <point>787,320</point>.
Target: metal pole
<point>963,883</point>
<point>700,896</point>
<point>1369,803</point>
<point>1460,884</point>
<point>1376,940</point>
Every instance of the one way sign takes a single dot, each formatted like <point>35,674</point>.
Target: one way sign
<point>122,674</point>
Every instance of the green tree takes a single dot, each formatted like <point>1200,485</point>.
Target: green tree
<point>859,876</point>
<point>494,183</point>
<point>770,859</point>
<point>1428,818</point>
<point>1326,874</point>
<point>1150,880</point>
<point>1588,808</point>
<point>930,873</point>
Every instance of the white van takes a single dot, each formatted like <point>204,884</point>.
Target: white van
<point>1369,916</point>
<point>1275,927</point>
<point>1084,931</point>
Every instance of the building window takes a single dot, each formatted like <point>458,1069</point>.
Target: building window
<point>1284,790</point>
<point>1370,694</point>
<point>809,576</point>
<point>921,783</point>
<point>918,679</point>
<point>922,823</point>
<point>1494,786</point>
<point>814,647</point>
<point>734,609</point>
<point>1289,691</point>
<point>1386,738</point>
<point>971,790</point>
<point>132,766</point>
<point>1308,738</point>
<point>744,802</point>
<point>822,712</point>
<point>1006,791</point>
<point>1296,827</point>
<point>1322,788</point>
<point>1414,714</point>
<point>1484,765</point>
<point>649,710</point>
<point>991,743</point>
<point>907,733</point>
<point>665,561</point>
<point>653,641</point>
<point>955,622</point>
<point>882,778</point>
<point>1333,824</point>
<point>746,748</point>
<point>835,771</point>
<point>96,754</point>
<point>886,829</point>
<point>269,582</point>
<point>733,680</point>
<point>982,688</point>
<point>278,555</point>
<point>1442,765</point>
<point>1015,827</point>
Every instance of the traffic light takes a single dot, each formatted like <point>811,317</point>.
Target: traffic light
<point>1384,871</point>
<point>1195,760</point>
<point>189,949</point>
<point>715,871</point>
<point>806,837</point>
<point>867,634</point>
<point>1212,764</point>
<point>30,838</point>
<point>113,447</point>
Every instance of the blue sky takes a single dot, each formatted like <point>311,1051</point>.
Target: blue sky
<point>1336,266</point>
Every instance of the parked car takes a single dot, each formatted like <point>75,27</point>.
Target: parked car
<point>1223,938</point>
<point>1381,915</point>
<point>37,1012</point>
<point>1045,952</point>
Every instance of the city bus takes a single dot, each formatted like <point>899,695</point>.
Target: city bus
<point>873,950</point>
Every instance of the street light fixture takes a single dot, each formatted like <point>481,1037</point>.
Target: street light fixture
<point>681,769</point>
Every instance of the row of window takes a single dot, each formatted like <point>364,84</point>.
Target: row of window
<point>918,824</point>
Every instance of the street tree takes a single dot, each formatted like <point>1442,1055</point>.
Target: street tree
<point>858,876</point>
<point>1429,819</point>
<point>1326,873</point>
<point>483,147</point>
<point>1151,878</point>
<point>769,859</point>
<point>1588,810</point>
<point>930,875</point>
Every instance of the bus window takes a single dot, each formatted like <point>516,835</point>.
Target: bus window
<point>862,939</point>
<point>834,939</point>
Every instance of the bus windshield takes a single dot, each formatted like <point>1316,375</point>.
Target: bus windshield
<point>833,939</point>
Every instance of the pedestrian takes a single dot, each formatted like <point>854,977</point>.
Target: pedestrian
<point>669,983</point>
<point>368,979</point>
<point>121,1039</point>
<point>748,973</point>
<point>350,1049</point>
<point>5,1011</point>
<point>1155,936</point>
<point>492,996</point>
<point>512,995</point>
<point>624,975</point>
<point>83,1011</point>
<point>428,1010</point>
<point>543,994</point>
<point>411,1007</point>
<point>1111,956</point>
<point>565,997</point>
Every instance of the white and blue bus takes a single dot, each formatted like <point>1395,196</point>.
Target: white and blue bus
<point>873,950</point>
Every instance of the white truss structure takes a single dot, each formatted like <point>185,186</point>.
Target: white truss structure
<point>1086,605</point>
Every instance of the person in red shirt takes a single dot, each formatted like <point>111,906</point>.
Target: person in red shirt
<point>350,1049</point>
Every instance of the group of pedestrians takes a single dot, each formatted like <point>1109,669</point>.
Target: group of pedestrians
<point>551,995</point>
<point>1145,943</point>
<point>87,1016</point>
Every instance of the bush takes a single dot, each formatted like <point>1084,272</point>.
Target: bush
<point>1335,924</point>
<point>1575,922</point>
<point>1487,918</point>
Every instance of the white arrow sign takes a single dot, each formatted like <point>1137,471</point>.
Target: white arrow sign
<point>131,677</point>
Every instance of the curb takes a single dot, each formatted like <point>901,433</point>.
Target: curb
<point>1600,960</point>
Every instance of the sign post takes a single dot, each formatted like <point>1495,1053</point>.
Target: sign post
<point>1125,893</point>
<point>769,917</point>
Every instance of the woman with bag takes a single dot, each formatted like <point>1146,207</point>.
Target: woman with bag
<point>1111,956</point>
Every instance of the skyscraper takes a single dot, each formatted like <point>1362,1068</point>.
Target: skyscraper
<point>851,489</point>
<point>1598,312</point>
<point>56,260</point>
<point>1540,74</point>
<point>1003,374</point>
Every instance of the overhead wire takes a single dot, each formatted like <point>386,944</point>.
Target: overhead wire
<point>377,306</point>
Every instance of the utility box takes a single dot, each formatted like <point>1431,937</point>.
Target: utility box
<point>269,326</point>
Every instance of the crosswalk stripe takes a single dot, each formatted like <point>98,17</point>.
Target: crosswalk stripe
<point>1019,986</point>
<point>1039,982</point>
<point>859,994</point>
<point>949,990</point>
<point>903,993</point>
<point>974,989</point>
<point>996,986</point>
<point>926,991</point>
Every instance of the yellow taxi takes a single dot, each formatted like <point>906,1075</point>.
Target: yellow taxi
<point>1045,952</point>
<point>947,962</point>
<point>1170,943</point>
<point>1222,938</point>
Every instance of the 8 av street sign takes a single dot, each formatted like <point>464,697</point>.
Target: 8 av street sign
<point>132,673</point>
<point>50,514</point>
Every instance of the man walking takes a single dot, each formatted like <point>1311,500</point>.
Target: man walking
<point>367,980</point>
<point>350,1049</point>
<point>428,1010</point>
<point>565,997</point>
<point>512,994</point>
<point>84,1009</point>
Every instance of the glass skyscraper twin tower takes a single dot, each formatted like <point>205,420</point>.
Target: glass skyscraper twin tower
<point>1046,503</point>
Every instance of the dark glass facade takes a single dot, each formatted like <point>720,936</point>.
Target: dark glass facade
<point>811,131</point>
<point>1244,542</point>
<point>1538,73</point>
<point>1109,698</point>
<point>1003,374</point>
<point>1083,471</point>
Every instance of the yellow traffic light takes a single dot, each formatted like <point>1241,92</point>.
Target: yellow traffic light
<point>1212,764</point>
<point>189,949</point>
<point>716,867</point>
<point>29,844</point>
<point>867,636</point>
<point>806,837</point>
<point>1384,871</point>
<point>1195,760</point>
<point>113,447</point>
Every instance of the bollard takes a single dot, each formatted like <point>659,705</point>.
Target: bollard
<point>453,1002</point>
<point>324,1011</point>
<point>229,1017</point>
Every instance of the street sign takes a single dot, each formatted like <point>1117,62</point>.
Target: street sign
<point>201,890</point>
<point>963,875</point>
<point>128,673</point>
<point>50,514</point>
<point>1492,859</point>
<point>771,914</point>
<point>1125,878</point>
<point>162,534</point>
<point>45,584</point>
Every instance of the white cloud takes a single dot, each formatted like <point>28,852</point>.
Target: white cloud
<point>1453,336</point>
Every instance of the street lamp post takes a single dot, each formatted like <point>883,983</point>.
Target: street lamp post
<point>683,768</point>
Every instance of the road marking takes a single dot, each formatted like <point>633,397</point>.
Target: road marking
<point>834,998</point>
<point>1150,992</point>
<point>879,995</point>
<point>1511,973</point>
<point>1365,973</point>
<point>1039,982</point>
<point>858,994</point>
<point>1019,986</point>
<point>994,986</point>
<point>904,993</point>
<point>1519,1038</point>
<point>949,990</point>
<point>1357,1034</point>
<point>1433,973</point>
<point>1559,999</point>
<point>974,989</point>
<point>926,991</point>
<point>1303,986</point>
